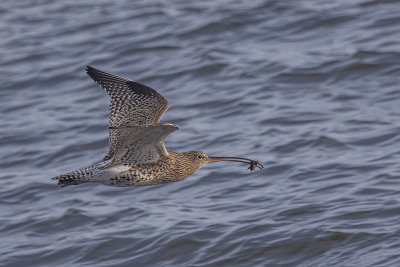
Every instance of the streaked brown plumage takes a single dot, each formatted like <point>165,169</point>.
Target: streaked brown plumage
<point>137,155</point>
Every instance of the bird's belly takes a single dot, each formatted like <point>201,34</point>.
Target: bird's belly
<point>122,175</point>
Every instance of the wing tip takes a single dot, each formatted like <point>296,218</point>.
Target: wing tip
<point>176,127</point>
<point>101,76</point>
<point>91,71</point>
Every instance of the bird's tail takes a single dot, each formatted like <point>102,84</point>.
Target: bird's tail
<point>75,177</point>
<point>88,174</point>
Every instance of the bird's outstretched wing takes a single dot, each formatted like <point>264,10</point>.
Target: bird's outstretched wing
<point>141,144</point>
<point>132,103</point>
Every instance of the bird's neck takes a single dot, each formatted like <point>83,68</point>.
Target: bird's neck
<point>180,165</point>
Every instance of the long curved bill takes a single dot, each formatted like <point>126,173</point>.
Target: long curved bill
<point>253,163</point>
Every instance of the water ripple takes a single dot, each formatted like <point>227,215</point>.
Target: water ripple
<point>308,88</point>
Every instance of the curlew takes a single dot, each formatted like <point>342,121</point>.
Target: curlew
<point>137,155</point>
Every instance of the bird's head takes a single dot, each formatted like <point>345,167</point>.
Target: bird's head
<point>198,159</point>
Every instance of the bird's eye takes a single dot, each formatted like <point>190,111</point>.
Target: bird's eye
<point>200,157</point>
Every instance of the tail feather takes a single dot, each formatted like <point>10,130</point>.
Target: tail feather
<point>75,177</point>
<point>68,179</point>
<point>81,175</point>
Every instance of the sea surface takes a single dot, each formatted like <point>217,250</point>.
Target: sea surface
<point>310,88</point>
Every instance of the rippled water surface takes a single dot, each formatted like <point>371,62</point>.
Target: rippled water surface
<point>309,88</point>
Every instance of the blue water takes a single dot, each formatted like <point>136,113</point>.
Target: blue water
<point>309,88</point>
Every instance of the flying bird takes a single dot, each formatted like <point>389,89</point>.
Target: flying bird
<point>137,155</point>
